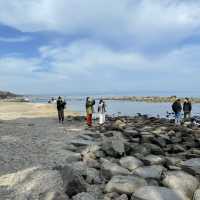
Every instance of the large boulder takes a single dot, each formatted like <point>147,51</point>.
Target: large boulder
<point>110,169</point>
<point>157,193</point>
<point>114,146</point>
<point>192,166</point>
<point>33,183</point>
<point>130,163</point>
<point>74,183</point>
<point>125,184</point>
<point>181,182</point>
<point>154,171</point>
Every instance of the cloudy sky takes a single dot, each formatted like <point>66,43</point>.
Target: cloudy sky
<point>97,46</point>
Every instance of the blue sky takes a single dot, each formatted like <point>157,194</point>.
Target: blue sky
<point>96,46</point>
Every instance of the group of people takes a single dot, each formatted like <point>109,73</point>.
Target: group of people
<point>177,108</point>
<point>90,110</point>
<point>90,103</point>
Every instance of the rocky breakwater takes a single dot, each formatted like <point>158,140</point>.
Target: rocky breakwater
<point>137,158</point>
<point>150,99</point>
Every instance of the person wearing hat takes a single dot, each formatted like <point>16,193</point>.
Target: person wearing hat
<point>177,108</point>
<point>61,107</point>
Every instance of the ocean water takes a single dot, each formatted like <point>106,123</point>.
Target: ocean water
<point>116,107</point>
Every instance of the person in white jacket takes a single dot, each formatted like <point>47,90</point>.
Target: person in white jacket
<point>102,111</point>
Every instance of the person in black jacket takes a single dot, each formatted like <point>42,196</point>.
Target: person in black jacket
<point>60,107</point>
<point>187,109</point>
<point>177,108</point>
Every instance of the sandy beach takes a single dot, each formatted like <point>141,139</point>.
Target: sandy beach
<point>16,110</point>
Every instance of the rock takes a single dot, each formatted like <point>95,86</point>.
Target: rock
<point>154,149</point>
<point>118,125</point>
<point>197,195</point>
<point>96,191</point>
<point>157,193</point>
<point>125,184</point>
<point>73,181</point>
<point>130,163</point>
<point>192,166</point>
<point>110,169</point>
<point>111,195</point>
<point>82,142</point>
<point>154,171</point>
<point>173,161</point>
<point>83,196</point>
<point>153,160</point>
<point>161,142</point>
<point>181,182</point>
<point>114,146</point>
<point>122,197</point>
<point>33,183</point>
<point>141,150</point>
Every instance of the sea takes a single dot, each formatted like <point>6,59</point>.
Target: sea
<point>121,108</point>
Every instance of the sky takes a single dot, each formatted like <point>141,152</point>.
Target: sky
<point>99,46</point>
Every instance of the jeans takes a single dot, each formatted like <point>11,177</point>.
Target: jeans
<point>187,115</point>
<point>178,118</point>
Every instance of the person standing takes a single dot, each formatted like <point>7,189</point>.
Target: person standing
<point>177,108</point>
<point>89,110</point>
<point>187,109</point>
<point>101,111</point>
<point>61,107</point>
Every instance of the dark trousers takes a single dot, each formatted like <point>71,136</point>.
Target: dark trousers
<point>61,116</point>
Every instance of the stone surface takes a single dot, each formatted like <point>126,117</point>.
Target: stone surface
<point>181,182</point>
<point>33,183</point>
<point>110,169</point>
<point>83,196</point>
<point>125,184</point>
<point>157,193</point>
<point>192,166</point>
<point>130,163</point>
<point>154,171</point>
<point>153,160</point>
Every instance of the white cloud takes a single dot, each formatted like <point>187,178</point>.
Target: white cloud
<point>84,65</point>
<point>15,39</point>
<point>142,23</point>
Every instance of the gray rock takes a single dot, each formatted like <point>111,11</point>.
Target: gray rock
<point>157,193</point>
<point>154,171</point>
<point>83,196</point>
<point>130,163</point>
<point>153,160</point>
<point>196,195</point>
<point>181,181</point>
<point>114,146</point>
<point>33,183</point>
<point>122,197</point>
<point>192,166</point>
<point>73,181</point>
<point>110,169</point>
<point>125,184</point>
